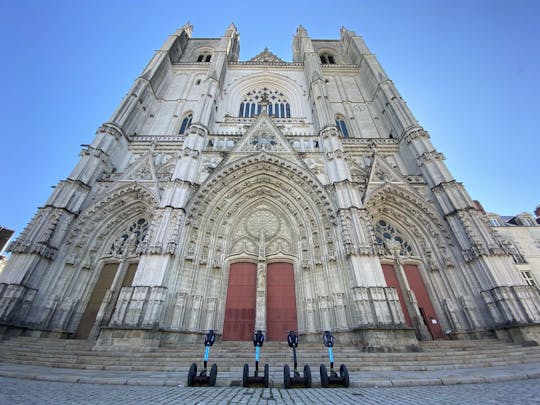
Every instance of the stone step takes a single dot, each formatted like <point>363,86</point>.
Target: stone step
<point>267,358</point>
<point>225,348</point>
<point>277,356</point>
<point>439,355</point>
<point>185,362</point>
<point>357,357</point>
<point>238,368</point>
<point>57,344</point>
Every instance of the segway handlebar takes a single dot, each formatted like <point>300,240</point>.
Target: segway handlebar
<point>210,338</point>
<point>258,339</point>
<point>328,339</point>
<point>292,339</point>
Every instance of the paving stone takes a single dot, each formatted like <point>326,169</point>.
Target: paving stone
<point>20,391</point>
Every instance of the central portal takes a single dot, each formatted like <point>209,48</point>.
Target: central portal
<point>240,309</point>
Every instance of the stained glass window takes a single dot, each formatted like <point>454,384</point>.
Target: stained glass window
<point>386,231</point>
<point>130,238</point>
<point>278,106</point>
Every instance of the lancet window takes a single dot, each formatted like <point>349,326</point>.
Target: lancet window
<point>327,59</point>
<point>204,57</point>
<point>342,126</point>
<point>278,105</point>
<point>186,122</point>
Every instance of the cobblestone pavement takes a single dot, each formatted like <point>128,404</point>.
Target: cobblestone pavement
<point>19,391</point>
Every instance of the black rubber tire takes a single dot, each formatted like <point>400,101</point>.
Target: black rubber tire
<point>266,376</point>
<point>245,376</point>
<point>324,376</point>
<point>213,375</point>
<point>191,374</point>
<point>307,376</point>
<point>286,376</point>
<point>344,374</point>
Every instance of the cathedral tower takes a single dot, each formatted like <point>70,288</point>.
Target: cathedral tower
<point>263,194</point>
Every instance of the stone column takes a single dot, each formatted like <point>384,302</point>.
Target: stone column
<point>260,306</point>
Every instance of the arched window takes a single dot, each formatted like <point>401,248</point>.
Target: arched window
<point>204,57</point>
<point>342,126</point>
<point>278,105</point>
<point>327,59</point>
<point>130,238</point>
<point>186,122</point>
<point>386,233</point>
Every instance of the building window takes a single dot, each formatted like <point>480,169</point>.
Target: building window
<point>130,238</point>
<point>386,233</point>
<point>327,59</point>
<point>526,221</point>
<point>529,279</point>
<point>186,122</point>
<point>494,222</point>
<point>342,126</point>
<point>204,57</point>
<point>513,251</point>
<point>278,105</point>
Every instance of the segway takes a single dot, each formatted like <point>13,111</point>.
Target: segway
<point>203,378</point>
<point>333,378</point>
<point>296,380</point>
<point>248,381</point>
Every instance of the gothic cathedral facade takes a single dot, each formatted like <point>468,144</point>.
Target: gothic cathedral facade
<point>263,195</point>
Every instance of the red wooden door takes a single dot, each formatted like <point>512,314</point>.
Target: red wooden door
<point>104,282</point>
<point>392,281</point>
<point>240,308</point>
<point>424,302</point>
<point>280,301</point>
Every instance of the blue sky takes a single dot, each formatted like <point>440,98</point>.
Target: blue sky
<point>469,71</point>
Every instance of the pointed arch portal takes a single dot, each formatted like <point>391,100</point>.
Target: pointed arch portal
<point>265,217</point>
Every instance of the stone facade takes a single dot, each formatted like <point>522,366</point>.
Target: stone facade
<point>316,164</point>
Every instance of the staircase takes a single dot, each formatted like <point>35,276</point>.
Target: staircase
<point>435,355</point>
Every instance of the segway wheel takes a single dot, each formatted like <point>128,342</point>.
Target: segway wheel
<point>245,376</point>
<point>191,374</point>
<point>213,375</point>
<point>286,376</point>
<point>324,376</point>
<point>307,376</point>
<point>344,374</point>
<point>266,376</point>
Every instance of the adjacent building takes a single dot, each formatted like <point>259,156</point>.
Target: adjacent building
<point>521,236</point>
